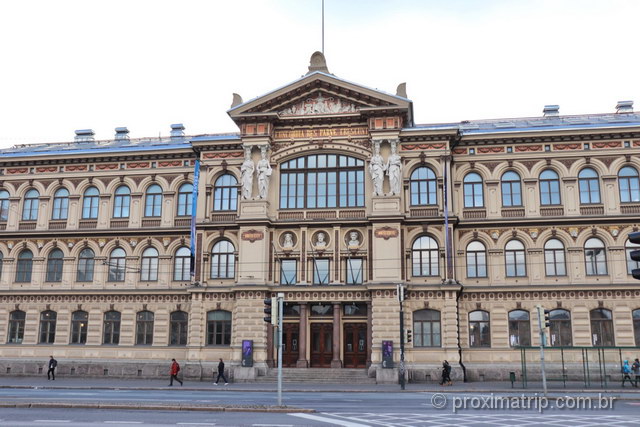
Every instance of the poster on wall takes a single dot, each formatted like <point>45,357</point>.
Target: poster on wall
<point>387,354</point>
<point>247,353</point>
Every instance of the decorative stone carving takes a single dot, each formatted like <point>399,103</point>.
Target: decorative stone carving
<point>264,174</point>
<point>394,170</point>
<point>377,169</point>
<point>319,105</point>
<point>252,235</point>
<point>287,241</point>
<point>386,232</point>
<point>320,242</point>
<point>354,240</point>
<point>246,172</point>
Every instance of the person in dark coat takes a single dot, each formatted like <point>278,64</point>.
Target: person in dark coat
<point>636,370</point>
<point>446,373</point>
<point>175,368</point>
<point>221,373</point>
<point>626,374</point>
<point>53,363</point>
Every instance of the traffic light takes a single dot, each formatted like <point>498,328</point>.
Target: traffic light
<point>635,255</point>
<point>547,319</point>
<point>409,336</point>
<point>268,302</point>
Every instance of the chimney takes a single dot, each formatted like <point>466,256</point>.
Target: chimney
<point>122,134</point>
<point>624,107</point>
<point>551,110</point>
<point>177,131</point>
<point>84,135</point>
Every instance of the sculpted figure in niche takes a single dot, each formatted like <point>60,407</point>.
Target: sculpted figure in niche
<point>287,242</point>
<point>354,239</point>
<point>320,242</point>
<point>246,171</point>
<point>264,174</point>
<point>394,168</point>
<point>376,169</point>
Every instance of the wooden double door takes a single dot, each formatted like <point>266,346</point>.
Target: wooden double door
<point>321,345</point>
<point>355,345</point>
<point>290,344</point>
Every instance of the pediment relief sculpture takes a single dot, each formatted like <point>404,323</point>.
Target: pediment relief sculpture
<point>319,104</point>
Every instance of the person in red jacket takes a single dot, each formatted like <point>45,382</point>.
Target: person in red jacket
<point>175,368</point>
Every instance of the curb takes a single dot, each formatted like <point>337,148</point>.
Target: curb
<point>146,407</point>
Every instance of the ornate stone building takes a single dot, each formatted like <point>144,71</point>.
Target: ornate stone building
<point>331,194</point>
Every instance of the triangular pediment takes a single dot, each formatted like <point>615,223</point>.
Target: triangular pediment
<point>318,94</point>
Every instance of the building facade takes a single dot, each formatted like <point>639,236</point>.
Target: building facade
<point>332,195</point>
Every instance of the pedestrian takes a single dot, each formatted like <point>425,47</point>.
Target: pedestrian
<point>636,370</point>
<point>175,368</point>
<point>626,374</point>
<point>221,373</point>
<point>446,374</point>
<point>51,373</point>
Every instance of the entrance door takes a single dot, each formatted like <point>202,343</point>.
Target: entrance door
<point>355,345</point>
<point>290,341</point>
<point>321,345</point>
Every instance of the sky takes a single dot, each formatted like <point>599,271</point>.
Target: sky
<point>67,65</point>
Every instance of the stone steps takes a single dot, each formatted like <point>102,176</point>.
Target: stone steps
<point>319,375</point>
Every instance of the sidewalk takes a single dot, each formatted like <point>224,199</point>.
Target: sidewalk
<point>62,382</point>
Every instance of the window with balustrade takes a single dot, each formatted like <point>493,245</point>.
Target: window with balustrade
<point>24,267</point>
<point>589,185</point>
<point>86,265</point>
<point>60,204</point>
<point>549,188</point>
<point>185,198</point>
<point>629,185</point>
<point>595,257</point>
<point>4,205</point>
<point>149,265</point>
<point>122,202</point>
<point>182,264</point>
<point>90,203</point>
<point>55,263</point>
<point>515,259</point>
<point>223,260</point>
<point>554,258</point>
<point>476,260</point>
<point>31,204</point>
<point>473,191</point>
<point>153,201</point>
<point>422,187</point>
<point>117,265</point>
<point>425,257</point>
<point>225,193</point>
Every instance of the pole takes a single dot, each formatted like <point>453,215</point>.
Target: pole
<point>542,342</point>
<point>280,308</point>
<point>401,299</point>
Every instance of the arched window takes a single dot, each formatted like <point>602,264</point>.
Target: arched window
<point>86,264</point>
<point>423,187</point>
<point>473,195</point>
<point>519,328</point>
<point>424,254</point>
<point>554,259</point>
<point>630,247</point>
<point>153,201</point>
<point>182,264</point>
<point>4,205</point>
<point>90,203</point>
<point>30,207</point>
<point>225,193</point>
<point>121,202</point>
<point>144,328</point>
<point>549,188</point>
<point>149,266</point>
<point>629,185</point>
<point>476,259</point>
<point>479,329</point>
<point>515,260</point>
<point>219,327</point>
<point>79,326</point>
<point>185,197</point>
<point>595,257</point>
<point>322,181</point>
<point>48,327</point>
<point>25,266</point>
<point>426,328</point>
<point>511,189</point>
<point>601,327</point>
<point>589,186</point>
<point>60,204</point>
<point>179,324</point>
<point>54,266</point>
<point>16,327</point>
<point>223,260</point>
<point>636,326</point>
<point>560,329</point>
<point>111,328</point>
<point>117,265</point>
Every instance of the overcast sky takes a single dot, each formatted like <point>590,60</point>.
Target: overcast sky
<point>97,64</point>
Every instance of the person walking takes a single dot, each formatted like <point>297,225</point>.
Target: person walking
<point>626,374</point>
<point>51,373</point>
<point>221,373</point>
<point>446,374</point>
<point>636,370</point>
<point>175,368</point>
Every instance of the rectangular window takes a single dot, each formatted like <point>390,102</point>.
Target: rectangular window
<point>354,271</point>
<point>288,271</point>
<point>321,272</point>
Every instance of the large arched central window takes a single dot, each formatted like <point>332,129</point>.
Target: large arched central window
<point>424,254</point>
<point>423,187</point>
<point>322,181</point>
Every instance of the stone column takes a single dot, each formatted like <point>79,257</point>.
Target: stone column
<point>369,332</point>
<point>336,362</point>
<point>302,338</point>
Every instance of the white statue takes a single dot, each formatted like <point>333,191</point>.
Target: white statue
<point>354,239</point>
<point>394,168</point>
<point>377,168</point>
<point>264,174</point>
<point>320,242</point>
<point>287,242</point>
<point>247,170</point>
